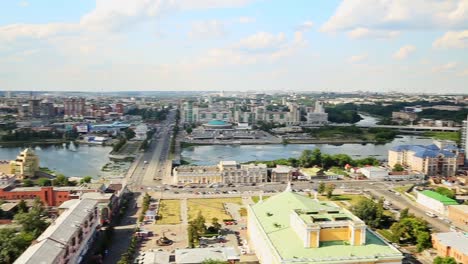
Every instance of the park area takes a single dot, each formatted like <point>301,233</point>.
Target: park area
<point>210,208</point>
<point>169,212</point>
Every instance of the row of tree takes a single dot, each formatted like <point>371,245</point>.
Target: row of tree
<point>60,180</point>
<point>31,135</point>
<point>312,158</point>
<point>409,229</point>
<point>150,114</point>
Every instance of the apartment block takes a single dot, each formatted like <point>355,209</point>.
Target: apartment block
<point>67,239</point>
<point>432,160</point>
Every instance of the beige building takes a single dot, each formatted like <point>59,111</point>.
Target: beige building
<point>458,214</point>
<point>431,160</point>
<point>225,172</point>
<point>26,164</point>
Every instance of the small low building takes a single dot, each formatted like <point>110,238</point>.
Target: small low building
<point>198,255</point>
<point>217,124</point>
<point>374,173</point>
<point>451,244</point>
<point>435,201</point>
<point>281,173</point>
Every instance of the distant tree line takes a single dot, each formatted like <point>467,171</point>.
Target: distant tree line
<point>310,158</point>
<point>30,135</point>
<point>150,114</point>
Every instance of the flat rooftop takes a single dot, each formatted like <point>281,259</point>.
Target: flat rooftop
<point>454,240</point>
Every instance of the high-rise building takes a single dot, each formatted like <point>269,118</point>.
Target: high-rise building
<point>464,138</point>
<point>74,107</point>
<point>47,109</point>
<point>34,108</point>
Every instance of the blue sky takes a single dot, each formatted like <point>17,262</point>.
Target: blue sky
<point>234,45</point>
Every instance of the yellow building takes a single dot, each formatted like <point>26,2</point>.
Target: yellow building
<point>26,164</point>
<point>292,228</point>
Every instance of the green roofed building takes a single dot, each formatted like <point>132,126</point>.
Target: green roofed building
<point>292,228</point>
<point>435,201</point>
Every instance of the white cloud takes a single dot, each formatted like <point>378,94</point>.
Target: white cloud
<point>453,39</point>
<point>262,40</point>
<point>362,32</point>
<point>207,29</point>
<point>306,26</point>
<point>37,31</point>
<point>397,15</point>
<point>114,15</point>
<point>23,4</point>
<point>246,20</point>
<point>357,58</point>
<point>445,67</point>
<point>404,52</point>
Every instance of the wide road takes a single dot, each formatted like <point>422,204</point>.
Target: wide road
<point>154,164</point>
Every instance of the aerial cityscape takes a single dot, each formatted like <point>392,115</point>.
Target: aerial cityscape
<point>234,131</point>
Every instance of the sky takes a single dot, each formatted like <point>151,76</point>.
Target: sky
<point>418,46</point>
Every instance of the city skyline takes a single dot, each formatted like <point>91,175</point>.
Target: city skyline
<point>234,45</point>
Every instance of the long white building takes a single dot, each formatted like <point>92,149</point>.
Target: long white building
<point>67,239</point>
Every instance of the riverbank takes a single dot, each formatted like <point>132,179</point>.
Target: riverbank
<point>34,142</point>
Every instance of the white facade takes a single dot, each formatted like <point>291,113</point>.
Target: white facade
<point>68,238</point>
<point>464,138</point>
<point>374,173</point>
<point>431,203</point>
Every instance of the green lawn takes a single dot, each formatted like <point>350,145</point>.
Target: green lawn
<point>210,207</point>
<point>169,212</point>
<point>454,136</point>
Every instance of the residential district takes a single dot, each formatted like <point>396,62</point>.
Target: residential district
<point>329,202</point>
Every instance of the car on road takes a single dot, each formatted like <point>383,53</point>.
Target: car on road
<point>431,214</point>
<point>145,162</point>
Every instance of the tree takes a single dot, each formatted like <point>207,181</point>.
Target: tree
<point>446,192</point>
<point>129,133</point>
<point>369,212</point>
<point>60,180</point>
<point>321,188</point>
<point>404,213</point>
<point>13,244</point>
<point>86,179</point>
<point>412,230</point>
<point>22,207</point>
<point>398,167</point>
<point>329,190</point>
<point>32,222</point>
<point>44,182</point>
<point>444,260</point>
<point>28,183</point>
<point>189,130</point>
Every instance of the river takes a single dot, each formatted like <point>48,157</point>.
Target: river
<point>209,155</point>
<point>70,160</point>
